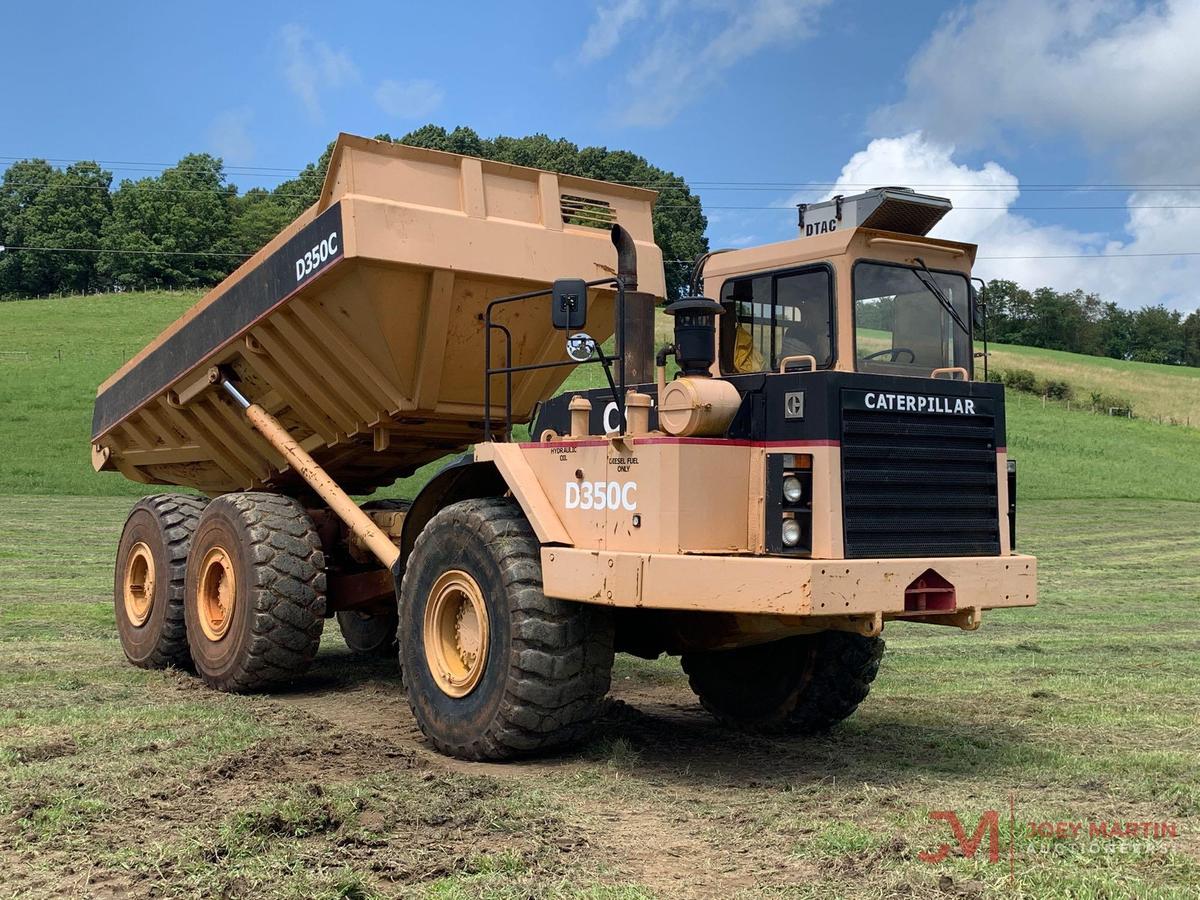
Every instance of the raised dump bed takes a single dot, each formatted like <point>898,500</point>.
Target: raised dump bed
<point>360,327</point>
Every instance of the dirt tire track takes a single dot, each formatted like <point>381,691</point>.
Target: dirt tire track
<point>660,843</point>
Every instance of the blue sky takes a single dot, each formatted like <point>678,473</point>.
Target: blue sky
<point>1004,95</point>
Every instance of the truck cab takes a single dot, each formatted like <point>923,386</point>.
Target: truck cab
<point>854,298</point>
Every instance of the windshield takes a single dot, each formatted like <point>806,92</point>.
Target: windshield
<point>900,327</point>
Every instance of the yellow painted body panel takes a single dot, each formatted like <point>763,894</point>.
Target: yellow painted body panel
<point>375,363</point>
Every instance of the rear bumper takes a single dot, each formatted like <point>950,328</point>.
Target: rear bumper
<point>758,585</point>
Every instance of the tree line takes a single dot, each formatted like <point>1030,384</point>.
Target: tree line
<point>188,227</point>
<point>1080,322</point>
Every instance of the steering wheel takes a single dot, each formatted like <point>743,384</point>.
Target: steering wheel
<point>894,353</point>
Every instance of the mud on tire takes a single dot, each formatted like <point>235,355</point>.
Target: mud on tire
<point>546,663</point>
<point>799,685</point>
<point>255,592</point>
<point>148,579</point>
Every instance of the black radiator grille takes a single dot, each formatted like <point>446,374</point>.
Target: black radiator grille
<point>919,485</point>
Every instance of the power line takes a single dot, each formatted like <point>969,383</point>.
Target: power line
<point>4,248</point>
<point>697,187</point>
<point>714,184</point>
<point>792,209</point>
<point>789,209</point>
<point>672,261</point>
<point>143,166</point>
<point>1099,255</point>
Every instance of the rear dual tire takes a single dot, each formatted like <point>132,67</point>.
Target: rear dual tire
<point>255,592</point>
<point>148,588</point>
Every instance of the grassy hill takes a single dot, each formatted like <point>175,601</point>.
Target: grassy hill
<point>53,353</point>
<point>1156,391</point>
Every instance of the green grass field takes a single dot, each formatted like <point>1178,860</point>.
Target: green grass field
<point>119,782</point>
<point>53,354</point>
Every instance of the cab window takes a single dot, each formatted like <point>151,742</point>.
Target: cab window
<point>769,317</point>
<point>900,324</point>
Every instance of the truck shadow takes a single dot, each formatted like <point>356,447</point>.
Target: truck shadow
<point>680,741</point>
<point>654,729</point>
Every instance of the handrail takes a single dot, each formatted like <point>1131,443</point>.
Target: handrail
<point>798,357</point>
<point>966,376</point>
<point>508,368</point>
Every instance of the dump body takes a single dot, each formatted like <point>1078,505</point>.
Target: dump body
<point>360,327</point>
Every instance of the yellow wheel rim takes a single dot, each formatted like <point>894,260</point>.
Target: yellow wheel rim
<point>456,633</point>
<point>217,594</point>
<point>139,584</point>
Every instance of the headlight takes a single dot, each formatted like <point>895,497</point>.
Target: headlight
<point>793,490</point>
<point>790,532</point>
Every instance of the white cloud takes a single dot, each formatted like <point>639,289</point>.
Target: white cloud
<point>229,136</point>
<point>610,23</point>
<point>689,45</point>
<point>1122,77</point>
<point>1117,79</point>
<point>312,67</point>
<point>916,160</point>
<point>408,99</point>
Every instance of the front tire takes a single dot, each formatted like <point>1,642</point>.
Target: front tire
<point>148,579</point>
<point>493,667</point>
<point>799,685</point>
<point>255,592</point>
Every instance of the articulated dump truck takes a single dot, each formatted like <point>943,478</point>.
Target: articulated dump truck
<point>809,459</point>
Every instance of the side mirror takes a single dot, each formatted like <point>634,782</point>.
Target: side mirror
<point>581,347</point>
<point>568,309</point>
<point>978,310</point>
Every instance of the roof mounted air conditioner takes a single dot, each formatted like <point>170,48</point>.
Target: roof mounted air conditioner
<point>885,208</point>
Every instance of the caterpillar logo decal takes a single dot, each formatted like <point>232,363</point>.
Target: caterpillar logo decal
<point>948,404</point>
<point>920,403</point>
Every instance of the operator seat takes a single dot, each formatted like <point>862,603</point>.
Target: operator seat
<point>800,340</point>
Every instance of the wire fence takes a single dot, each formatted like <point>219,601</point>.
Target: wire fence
<point>1020,399</point>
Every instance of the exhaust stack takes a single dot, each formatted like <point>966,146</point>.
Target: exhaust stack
<point>639,312</point>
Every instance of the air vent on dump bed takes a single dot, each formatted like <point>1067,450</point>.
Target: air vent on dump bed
<point>587,211</point>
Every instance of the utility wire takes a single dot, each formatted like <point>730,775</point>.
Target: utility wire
<point>5,248</point>
<point>788,208</point>
<point>679,187</point>
<point>732,184</point>
<point>687,262</point>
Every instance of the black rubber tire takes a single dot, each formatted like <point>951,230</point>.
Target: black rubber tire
<point>549,662</point>
<point>369,635</point>
<point>165,523</point>
<point>799,685</point>
<point>279,610</point>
